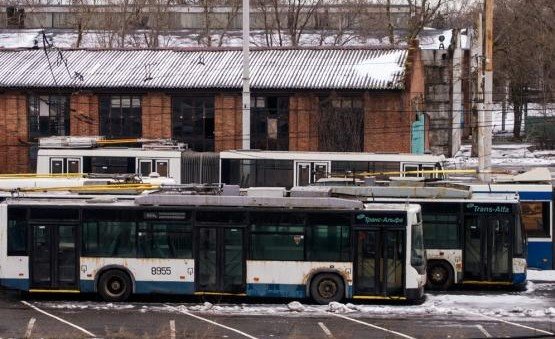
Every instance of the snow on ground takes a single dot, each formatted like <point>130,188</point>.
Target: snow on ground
<point>530,305</point>
<point>509,155</point>
<point>534,110</point>
<point>539,275</point>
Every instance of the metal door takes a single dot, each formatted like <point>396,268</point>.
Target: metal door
<point>221,260</point>
<point>379,264</point>
<point>418,135</point>
<point>54,256</point>
<point>487,248</point>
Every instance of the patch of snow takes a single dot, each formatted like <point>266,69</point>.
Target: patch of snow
<point>336,307</point>
<point>381,68</point>
<point>538,275</point>
<point>429,39</point>
<point>296,306</point>
<point>534,110</point>
<point>530,287</point>
<point>508,155</point>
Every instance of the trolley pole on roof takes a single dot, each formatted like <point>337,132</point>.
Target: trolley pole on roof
<point>246,102</point>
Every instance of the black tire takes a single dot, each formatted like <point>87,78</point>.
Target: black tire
<point>440,276</point>
<point>114,285</point>
<point>327,287</point>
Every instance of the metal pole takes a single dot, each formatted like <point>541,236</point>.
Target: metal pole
<point>485,119</point>
<point>246,102</point>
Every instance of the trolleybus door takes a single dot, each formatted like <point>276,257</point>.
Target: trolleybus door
<point>53,256</point>
<point>220,260</point>
<point>487,248</point>
<point>379,262</point>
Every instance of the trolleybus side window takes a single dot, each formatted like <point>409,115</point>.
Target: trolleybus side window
<point>109,233</point>
<point>277,236</point>
<point>417,247</point>
<point>441,226</point>
<point>535,216</point>
<point>165,239</point>
<point>328,237</point>
<point>17,231</point>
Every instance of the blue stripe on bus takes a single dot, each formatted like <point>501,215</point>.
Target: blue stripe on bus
<point>540,255</point>
<point>146,287</point>
<point>86,286</point>
<point>283,290</point>
<point>164,287</point>
<point>16,284</point>
<point>519,278</point>
<point>547,195</point>
<point>276,290</point>
<point>524,195</point>
<point>535,195</point>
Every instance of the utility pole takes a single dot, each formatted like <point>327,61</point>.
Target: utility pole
<point>485,112</point>
<point>476,50</point>
<point>246,102</point>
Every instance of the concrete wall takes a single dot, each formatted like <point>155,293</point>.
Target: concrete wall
<point>437,66</point>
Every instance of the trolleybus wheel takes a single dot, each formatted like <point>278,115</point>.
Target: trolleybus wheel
<point>114,285</point>
<point>327,287</point>
<point>440,276</point>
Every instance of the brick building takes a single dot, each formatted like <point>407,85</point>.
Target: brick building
<point>303,99</point>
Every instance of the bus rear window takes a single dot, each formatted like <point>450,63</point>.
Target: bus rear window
<point>535,217</point>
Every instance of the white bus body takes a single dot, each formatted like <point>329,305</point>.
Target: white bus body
<point>72,226</point>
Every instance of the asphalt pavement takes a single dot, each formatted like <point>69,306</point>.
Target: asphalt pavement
<point>481,315</point>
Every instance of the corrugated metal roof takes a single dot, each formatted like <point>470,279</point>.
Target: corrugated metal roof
<point>316,68</point>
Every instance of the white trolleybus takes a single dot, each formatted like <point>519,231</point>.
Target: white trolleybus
<point>247,168</point>
<point>253,168</point>
<point>537,196</point>
<point>327,249</point>
<point>470,238</point>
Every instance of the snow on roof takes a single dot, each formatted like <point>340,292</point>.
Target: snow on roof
<point>430,38</point>
<point>276,68</point>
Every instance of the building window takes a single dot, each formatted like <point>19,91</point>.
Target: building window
<point>270,123</point>
<point>48,116</point>
<point>120,116</point>
<point>193,122</point>
<point>337,115</point>
<point>15,16</point>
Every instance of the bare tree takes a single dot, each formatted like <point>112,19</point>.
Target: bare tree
<point>218,19</point>
<point>289,18</point>
<point>521,26</point>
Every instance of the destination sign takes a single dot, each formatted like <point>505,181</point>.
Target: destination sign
<point>380,219</point>
<point>165,215</point>
<point>487,208</point>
